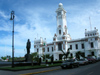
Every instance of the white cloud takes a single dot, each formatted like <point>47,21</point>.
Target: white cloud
<point>5,26</point>
<point>2,13</point>
<point>79,21</point>
<point>42,21</point>
<point>32,26</point>
<point>5,50</point>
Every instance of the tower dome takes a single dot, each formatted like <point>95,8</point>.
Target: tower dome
<point>60,5</point>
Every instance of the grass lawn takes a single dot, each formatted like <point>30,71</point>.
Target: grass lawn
<point>28,67</point>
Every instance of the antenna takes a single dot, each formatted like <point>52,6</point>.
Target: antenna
<point>90,23</point>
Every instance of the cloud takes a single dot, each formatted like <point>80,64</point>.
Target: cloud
<point>5,26</point>
<point>33,21</point>
<point>32,26</point>
<point>2,14</point>
<point>78,20</point>
<point>5,50</point>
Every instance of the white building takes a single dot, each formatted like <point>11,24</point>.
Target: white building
<point>90,45</point>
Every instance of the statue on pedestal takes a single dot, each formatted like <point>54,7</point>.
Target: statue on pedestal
<point>28,55</point>
<point>28,46</point>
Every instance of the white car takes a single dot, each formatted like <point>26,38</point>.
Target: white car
<point>83,61</point>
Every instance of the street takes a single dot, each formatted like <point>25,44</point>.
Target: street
<point>91,69</point>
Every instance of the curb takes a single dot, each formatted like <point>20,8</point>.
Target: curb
<point>28,68</point>
<point>40,72</point>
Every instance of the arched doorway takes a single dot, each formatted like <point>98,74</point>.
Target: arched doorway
<point>60,56</point>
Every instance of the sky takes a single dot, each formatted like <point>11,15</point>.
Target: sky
<point>37,18</point>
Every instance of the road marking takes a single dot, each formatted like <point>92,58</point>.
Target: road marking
<point>90,73</point>
<point>71,74</point>
<point>40,72</point>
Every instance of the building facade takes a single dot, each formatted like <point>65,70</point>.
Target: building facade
<point>90,45</point>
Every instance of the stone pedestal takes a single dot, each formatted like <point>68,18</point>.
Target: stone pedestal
<point>28,58</point>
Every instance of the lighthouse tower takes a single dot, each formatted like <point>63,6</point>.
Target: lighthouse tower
<point>61,37</point>
<point>61,32</point>
<point>61,20</point>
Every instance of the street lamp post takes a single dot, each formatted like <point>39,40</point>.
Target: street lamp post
<point>12,18</point>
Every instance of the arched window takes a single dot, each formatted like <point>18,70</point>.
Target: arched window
<point>59,32</point>
<point>91,44</point>
<point>43,49</point>
<point>37,50</point>
<point>52,49</point>
<point>76,46</point>
<point>48,49</point>
<point>59,46</point>
<point>82,45</point>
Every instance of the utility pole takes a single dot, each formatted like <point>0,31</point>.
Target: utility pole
<point>12,18</point>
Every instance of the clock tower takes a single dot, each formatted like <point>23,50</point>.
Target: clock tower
<point>61,20</point>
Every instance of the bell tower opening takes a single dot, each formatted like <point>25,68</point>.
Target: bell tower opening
<point>59,32</point>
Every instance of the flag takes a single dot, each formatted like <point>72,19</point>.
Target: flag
<point>44,44</point>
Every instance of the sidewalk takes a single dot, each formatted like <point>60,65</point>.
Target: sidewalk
<point>28,72</point>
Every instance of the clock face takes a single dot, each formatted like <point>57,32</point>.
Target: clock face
<point>59,13</point>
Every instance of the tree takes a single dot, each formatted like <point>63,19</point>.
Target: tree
<point>4,58</point>
<point>52,59</point>
<point>48,56</point>
<point>43,56</point>
<point>34,57</point>
<point>39,61</point>
<point>67,53</point>
<point>79,53</point>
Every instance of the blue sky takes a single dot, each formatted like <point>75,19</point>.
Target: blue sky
<point>38,17</point>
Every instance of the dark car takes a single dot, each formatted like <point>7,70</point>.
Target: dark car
<point>70,63</point>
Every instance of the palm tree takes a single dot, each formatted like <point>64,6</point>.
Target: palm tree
<point>67,53</point>
<point>79,53</point>
<point>34,56</point>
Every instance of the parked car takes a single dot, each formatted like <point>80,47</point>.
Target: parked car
<point>91,59</point>
<point>95,58</point>
<point>83,61</point>
<point>98,59</point>
<point>70,63</point>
